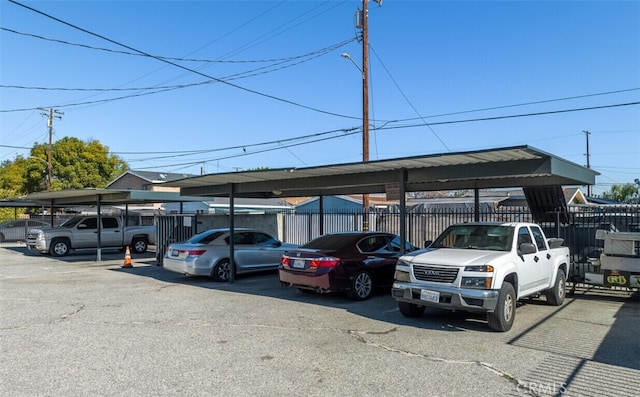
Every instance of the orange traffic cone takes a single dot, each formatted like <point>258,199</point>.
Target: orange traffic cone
<point>127,258</point>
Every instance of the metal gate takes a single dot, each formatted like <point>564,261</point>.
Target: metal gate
<point>173,228</point>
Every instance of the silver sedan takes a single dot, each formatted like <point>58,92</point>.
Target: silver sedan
<point>207,253</point>
<point>18,229</point>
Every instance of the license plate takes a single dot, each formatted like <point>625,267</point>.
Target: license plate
<point>430,296</point>
<point>298,263</point>
<point>175,252</point>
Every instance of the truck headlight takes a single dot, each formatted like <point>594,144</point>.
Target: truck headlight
<point>480,268</point>
<point>402,262</point>
<point>402,276</point>
<point>476,282</point>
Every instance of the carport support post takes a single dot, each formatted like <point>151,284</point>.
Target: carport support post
<point>476,205</point>
<point>232,267</point>
<point>321,208</point>
<point>403,210</point>
<point>99,226</point>
<point>51,213</point>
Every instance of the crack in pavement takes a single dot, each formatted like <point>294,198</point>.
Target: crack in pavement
<point>360,336</point>
<point>523,387</point>
<point>78,308</point>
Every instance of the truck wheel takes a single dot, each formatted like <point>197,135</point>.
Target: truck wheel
<point>59,247</point>
<point>410,309</point>
<point>221,271</point>
<point>139,245</point>
<point>361,286</point>
<point>502,318</point>
<point>555,296</point>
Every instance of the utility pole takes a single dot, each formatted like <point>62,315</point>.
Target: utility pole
<point>365,104</point>
<point>587,133</point>
<point>362,22</point>
<point>50,116</point>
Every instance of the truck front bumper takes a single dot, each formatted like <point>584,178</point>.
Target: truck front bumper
<point>452,298</point>
<point>41,246</point>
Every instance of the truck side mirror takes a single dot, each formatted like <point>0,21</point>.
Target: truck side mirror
<point>526,248</point>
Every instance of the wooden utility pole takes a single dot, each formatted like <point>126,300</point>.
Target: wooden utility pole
<point>50,116</point>
<point>365,106</point>
<point>362,22</point>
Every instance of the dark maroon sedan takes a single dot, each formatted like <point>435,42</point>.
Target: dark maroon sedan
<point>352,262</point>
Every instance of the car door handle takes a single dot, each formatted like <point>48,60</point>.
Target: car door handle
<point>535,258</point>
<point>548,256</point>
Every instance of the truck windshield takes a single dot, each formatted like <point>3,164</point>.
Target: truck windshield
<point>480,237</point>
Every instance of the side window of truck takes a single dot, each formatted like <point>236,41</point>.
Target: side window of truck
<point>109,223</point>
<point>539,237</point>
<point>89,223</point>
<point>523,236</point>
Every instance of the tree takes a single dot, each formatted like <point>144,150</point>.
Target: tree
<point>12,177</point>
<point>75,164</point>
<point>623,193</point>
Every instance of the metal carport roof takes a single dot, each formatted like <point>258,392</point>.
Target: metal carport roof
<point>519,166</point>
<point>105,196</point>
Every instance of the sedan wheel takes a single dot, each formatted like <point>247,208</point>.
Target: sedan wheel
<point>221,271</point>
<point>361,286</point>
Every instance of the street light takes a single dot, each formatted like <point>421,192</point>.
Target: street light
<point>345,55</point>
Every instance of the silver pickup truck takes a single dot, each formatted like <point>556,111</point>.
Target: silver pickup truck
<point>81,232</point>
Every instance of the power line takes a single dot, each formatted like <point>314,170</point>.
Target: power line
<point>355,131</point>
<point>182,67</point>
<point>330,48</point>
<point>409,102</point>
<point>513,116</point>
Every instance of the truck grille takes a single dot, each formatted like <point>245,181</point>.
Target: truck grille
<point>436,274</point>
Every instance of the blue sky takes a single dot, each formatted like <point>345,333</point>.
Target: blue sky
<point>219,86</point>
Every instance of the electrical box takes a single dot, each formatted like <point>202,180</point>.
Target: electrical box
<point>359,19</point>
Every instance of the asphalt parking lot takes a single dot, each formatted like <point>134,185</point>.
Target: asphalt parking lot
<point>76,327</point>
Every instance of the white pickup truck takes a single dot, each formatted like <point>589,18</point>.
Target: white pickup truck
<point>482,267</point>
<point>82,232</point>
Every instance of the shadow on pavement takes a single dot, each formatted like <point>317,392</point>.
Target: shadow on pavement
<point>380,307</point>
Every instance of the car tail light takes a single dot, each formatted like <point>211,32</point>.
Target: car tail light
<point>285,261</point>
<point>194,252</point>
<point>327,261</point>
